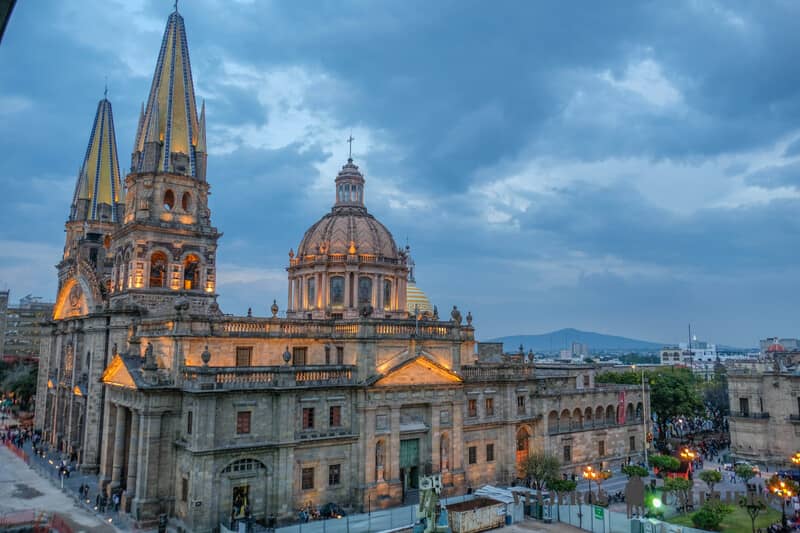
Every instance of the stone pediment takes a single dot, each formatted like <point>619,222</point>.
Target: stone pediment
<point>418,370</point>
<point>117,373</point>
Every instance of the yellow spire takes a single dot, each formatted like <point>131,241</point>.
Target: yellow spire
<point>98,192</point>
<point>168,138</point>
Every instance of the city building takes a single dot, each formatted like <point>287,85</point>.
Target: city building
<point>347,397</point>
<point>22,327</point>
<point>765,411</point>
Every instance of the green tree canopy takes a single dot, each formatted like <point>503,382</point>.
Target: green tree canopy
<point>680,487</point>
<point>711,478</point>
<point>711,515</point>
<point>744,472</point>
<point>635,470</point>
<point>665,462</point>
<point>541,468</point>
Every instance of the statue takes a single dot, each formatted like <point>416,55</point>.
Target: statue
<point>634,496</point>
<point>366,310</point>
<point>455,314</point>
<point>429,489</point>
<point>249,312</point>
<point>149,358</point>
<point>469,318</point>
<point>435,313</point>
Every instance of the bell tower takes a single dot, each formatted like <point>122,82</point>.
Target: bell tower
<point>166,246</point>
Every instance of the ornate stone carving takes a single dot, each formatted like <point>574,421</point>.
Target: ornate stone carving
<point>274,308</point>
<point>205,356</point>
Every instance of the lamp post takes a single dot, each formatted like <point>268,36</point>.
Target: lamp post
<point>796,459</point>
<point>782,490</point>
<point>589,474</point>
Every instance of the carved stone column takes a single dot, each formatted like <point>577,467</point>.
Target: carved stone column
<point>119,448</point>
<point>133,455</point>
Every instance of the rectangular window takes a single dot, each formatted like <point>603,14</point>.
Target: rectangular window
<point>472,452</point>
<point>632,443</point>
<point>327,355</point>
<point>243,422</point>
<point>308,418</point>
<point>586,380</point>
<point>490,452</point>
<point>335,416</point>
<point>444,417</point>
<point>489,405</point>
<point>472,407</point>
<point>381,422</point>
<point>340,355</point>
<point>601,448</point>
<point>744,406</point>
<point>244,355</point>
<point>185,489</point>
<point>520,405</point>
<point>299,356</point>
<point>334,474</point>
<point>307,479</point>
<point>567,453</point>
<point>189,423</point>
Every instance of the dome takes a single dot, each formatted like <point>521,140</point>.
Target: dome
<point>416,299</point>
<point>348,229</point>
<point>776,347</point>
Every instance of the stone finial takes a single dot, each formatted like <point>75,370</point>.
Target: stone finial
<point>530,356</point>
<point>205,356</point>
<point>455,315</point>
<point>249,312</point>
<point>521,349</point>
<point>287,356</point>
<point>469,318</point>
<point>435,313</point>
<point>274,308</point>
<point>291,253</point>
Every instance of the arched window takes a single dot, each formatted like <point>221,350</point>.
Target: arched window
<point>364,290</point>
<point>629,413</point>
<point>610,415</point>
<point>444,452</point>
<point>587,417</point>
<point>311,292</point>
<point>337,290</point>
<point>522,440</point>
<point>169,200</point>
<point>552,422</point>
<point>380,461</point>
<point>564,421</point>
<point>158,269</point>
<point>191,273</point>
<point>577,418</point>
<point>244,465</point>
<point>600,416</point>
<point>639,411</point>
<point>387,294</point>
<point>186,201</point>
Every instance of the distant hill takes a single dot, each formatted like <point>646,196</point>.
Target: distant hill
<point>563,339</point>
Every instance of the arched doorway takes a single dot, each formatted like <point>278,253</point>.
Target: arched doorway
<point>523,443</point>
<point>242,489</point>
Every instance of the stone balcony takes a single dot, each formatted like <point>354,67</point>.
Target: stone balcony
<point>226,378</point>
<point>479,373</point>
<point>749,415</point>
<point>252,327</point>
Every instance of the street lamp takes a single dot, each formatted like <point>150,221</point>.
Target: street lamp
<point>589,474</point>
<point>784,491</point>
<point>796,459</point>
<point>688,454</point>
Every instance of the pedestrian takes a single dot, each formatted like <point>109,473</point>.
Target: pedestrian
<point>115,499</point>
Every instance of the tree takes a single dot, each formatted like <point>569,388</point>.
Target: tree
<point>681,488</point>
<point>540,468</point>
<point>711,515</point>
<point>745,472</point>
<point>562,487</point>
<point>672,393</point>
<point>715,395</point>
<point>711,478</point>
<point>635,470</point>
<point>665,462</point>
<point>753,505</point>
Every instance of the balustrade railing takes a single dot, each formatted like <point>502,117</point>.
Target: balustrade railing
<point>500,373</point>
<point>232,378</point>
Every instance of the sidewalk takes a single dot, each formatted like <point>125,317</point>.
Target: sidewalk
<point>22,490</point>
<point>47,468</point>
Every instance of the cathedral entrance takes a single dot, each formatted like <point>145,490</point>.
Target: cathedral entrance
<point>240,502</point>
<point>409,468</point>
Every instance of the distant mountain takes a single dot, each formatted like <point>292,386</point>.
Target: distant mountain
<point>563,339</point>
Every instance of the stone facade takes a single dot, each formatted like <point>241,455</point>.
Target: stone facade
<point>348,398</point>
<point>765,414</point>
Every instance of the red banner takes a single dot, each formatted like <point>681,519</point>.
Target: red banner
<point>621,408</point>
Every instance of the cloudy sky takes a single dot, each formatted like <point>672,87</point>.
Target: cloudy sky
<point>625,168</point>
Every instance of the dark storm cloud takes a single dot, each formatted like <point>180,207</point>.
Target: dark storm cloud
<point>452,99</point>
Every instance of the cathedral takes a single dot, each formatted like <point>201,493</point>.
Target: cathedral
<point>346,395</point>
